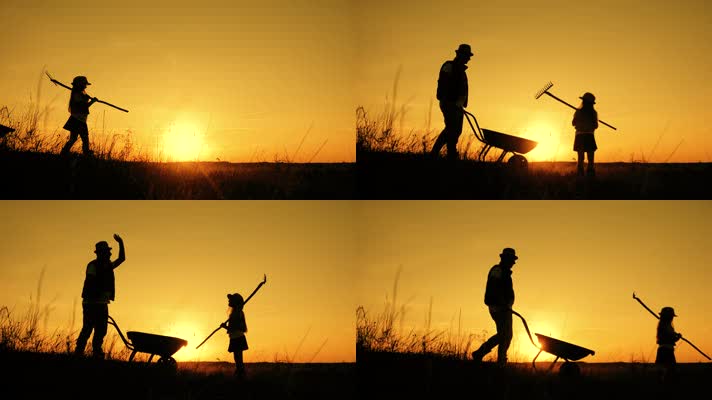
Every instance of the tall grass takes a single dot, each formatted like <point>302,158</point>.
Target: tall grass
<point>27,331</point>
<point>385,131</point>
<point>30,137</point>
<point>385,332</point>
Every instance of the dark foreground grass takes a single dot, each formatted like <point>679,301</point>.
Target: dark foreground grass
<point>32,175</point>
<point>394,375</point>
<point>394,175</point>
<point>41,375</point>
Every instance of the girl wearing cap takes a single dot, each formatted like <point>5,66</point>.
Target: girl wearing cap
<point>79,103</point>
<point>586,122</point>
<point>236,328</point>
<point>666,339</point>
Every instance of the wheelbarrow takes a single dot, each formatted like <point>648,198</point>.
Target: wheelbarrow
<point>4,130</point>
<point>507,143</point>
<point>564,350</point>
<point>156,345</point>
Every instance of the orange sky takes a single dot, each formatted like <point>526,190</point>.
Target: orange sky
<point>579,264</point>
<point>235,80</point>
<point>182,258</point>
<point>649,65</point>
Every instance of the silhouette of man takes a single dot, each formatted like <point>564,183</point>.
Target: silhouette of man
<point>97,293</point>
<point>452,93</point>
<point>499,297</point>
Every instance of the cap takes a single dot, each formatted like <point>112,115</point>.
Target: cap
<point>235,297</point>
<point>588,97</point>
<point>80,80</point>
<point>668,311</point>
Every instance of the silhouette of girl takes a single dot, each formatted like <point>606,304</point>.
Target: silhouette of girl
<point>236,328</point>
<point>79,103</point>
<point>585,121</point>
<point>666,339</point>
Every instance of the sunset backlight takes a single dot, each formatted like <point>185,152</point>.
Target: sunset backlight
<point>286,67</point>
<point>579,264</point>
<point>649,66</point>
<point>182,259</point>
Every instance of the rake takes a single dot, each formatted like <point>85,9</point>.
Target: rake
<point>658,317</point>
<point>545,91</point>
<point>58,83</point>
<point>243,304</point>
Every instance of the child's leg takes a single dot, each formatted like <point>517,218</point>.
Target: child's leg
<point>239,364</point>
<point>590,163</point>
<point>84,134</point>
<point>68,146</point>
<point>580,162</point>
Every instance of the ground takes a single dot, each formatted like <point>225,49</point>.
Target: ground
<point>416,176</point>
<point>41,176</point>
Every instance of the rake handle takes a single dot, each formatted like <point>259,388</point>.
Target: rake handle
<point>558,99</point>
<point>264,280</point>
<point>658,317</point>
<point>56,82</point>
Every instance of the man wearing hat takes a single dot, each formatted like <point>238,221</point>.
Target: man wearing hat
<point>97,293</point>
<point>452,94</point>
<point>79,103</point>
<point>499,297</point>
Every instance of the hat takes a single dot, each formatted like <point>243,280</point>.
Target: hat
<point>102,246</point>
<point>80,80</point>
<point>235,297</point>
<point>464,49</point>
<point>668,311</point>
<point>588,97</point>
<point>508,252</point>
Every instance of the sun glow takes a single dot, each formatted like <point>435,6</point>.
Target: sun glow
<point>190,333</point>
<point>551,145</point>
<point>184,142</point>
<point>525,349</point>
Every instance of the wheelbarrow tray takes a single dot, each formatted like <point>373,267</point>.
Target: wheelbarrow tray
<point>559,348</point>
<point>165,346</point>
<point>508,143</point>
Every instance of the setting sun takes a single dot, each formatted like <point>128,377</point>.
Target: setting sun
<point>184,142</point>
<point>550,144</point>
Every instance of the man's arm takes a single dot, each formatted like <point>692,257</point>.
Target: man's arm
<point>122,252</point>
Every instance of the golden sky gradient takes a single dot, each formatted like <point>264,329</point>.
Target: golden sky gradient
<point>579,264</point>
<point>235,80</point>
<point>648,64</point>
<point>183,258</point>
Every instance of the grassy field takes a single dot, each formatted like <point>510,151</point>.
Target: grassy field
<point>399,175</point>
<point>31,375</point>
<point>35,175</point>
<point>397,362</point>
<point>38,363</point>
<point>430,376</point>
<point>122,169</point>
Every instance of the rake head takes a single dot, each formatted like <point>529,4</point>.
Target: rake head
<point>543,90</point>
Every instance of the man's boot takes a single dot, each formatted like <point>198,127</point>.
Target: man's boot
<point>478,355</point>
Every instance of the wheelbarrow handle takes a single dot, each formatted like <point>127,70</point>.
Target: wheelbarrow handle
<point>527,329</point>
<point>111,321</point>
<point>478,131</point>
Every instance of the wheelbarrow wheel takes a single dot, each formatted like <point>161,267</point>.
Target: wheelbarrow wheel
<point>518,162</point>
<point>168,363</point>
<point>569,370</point>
